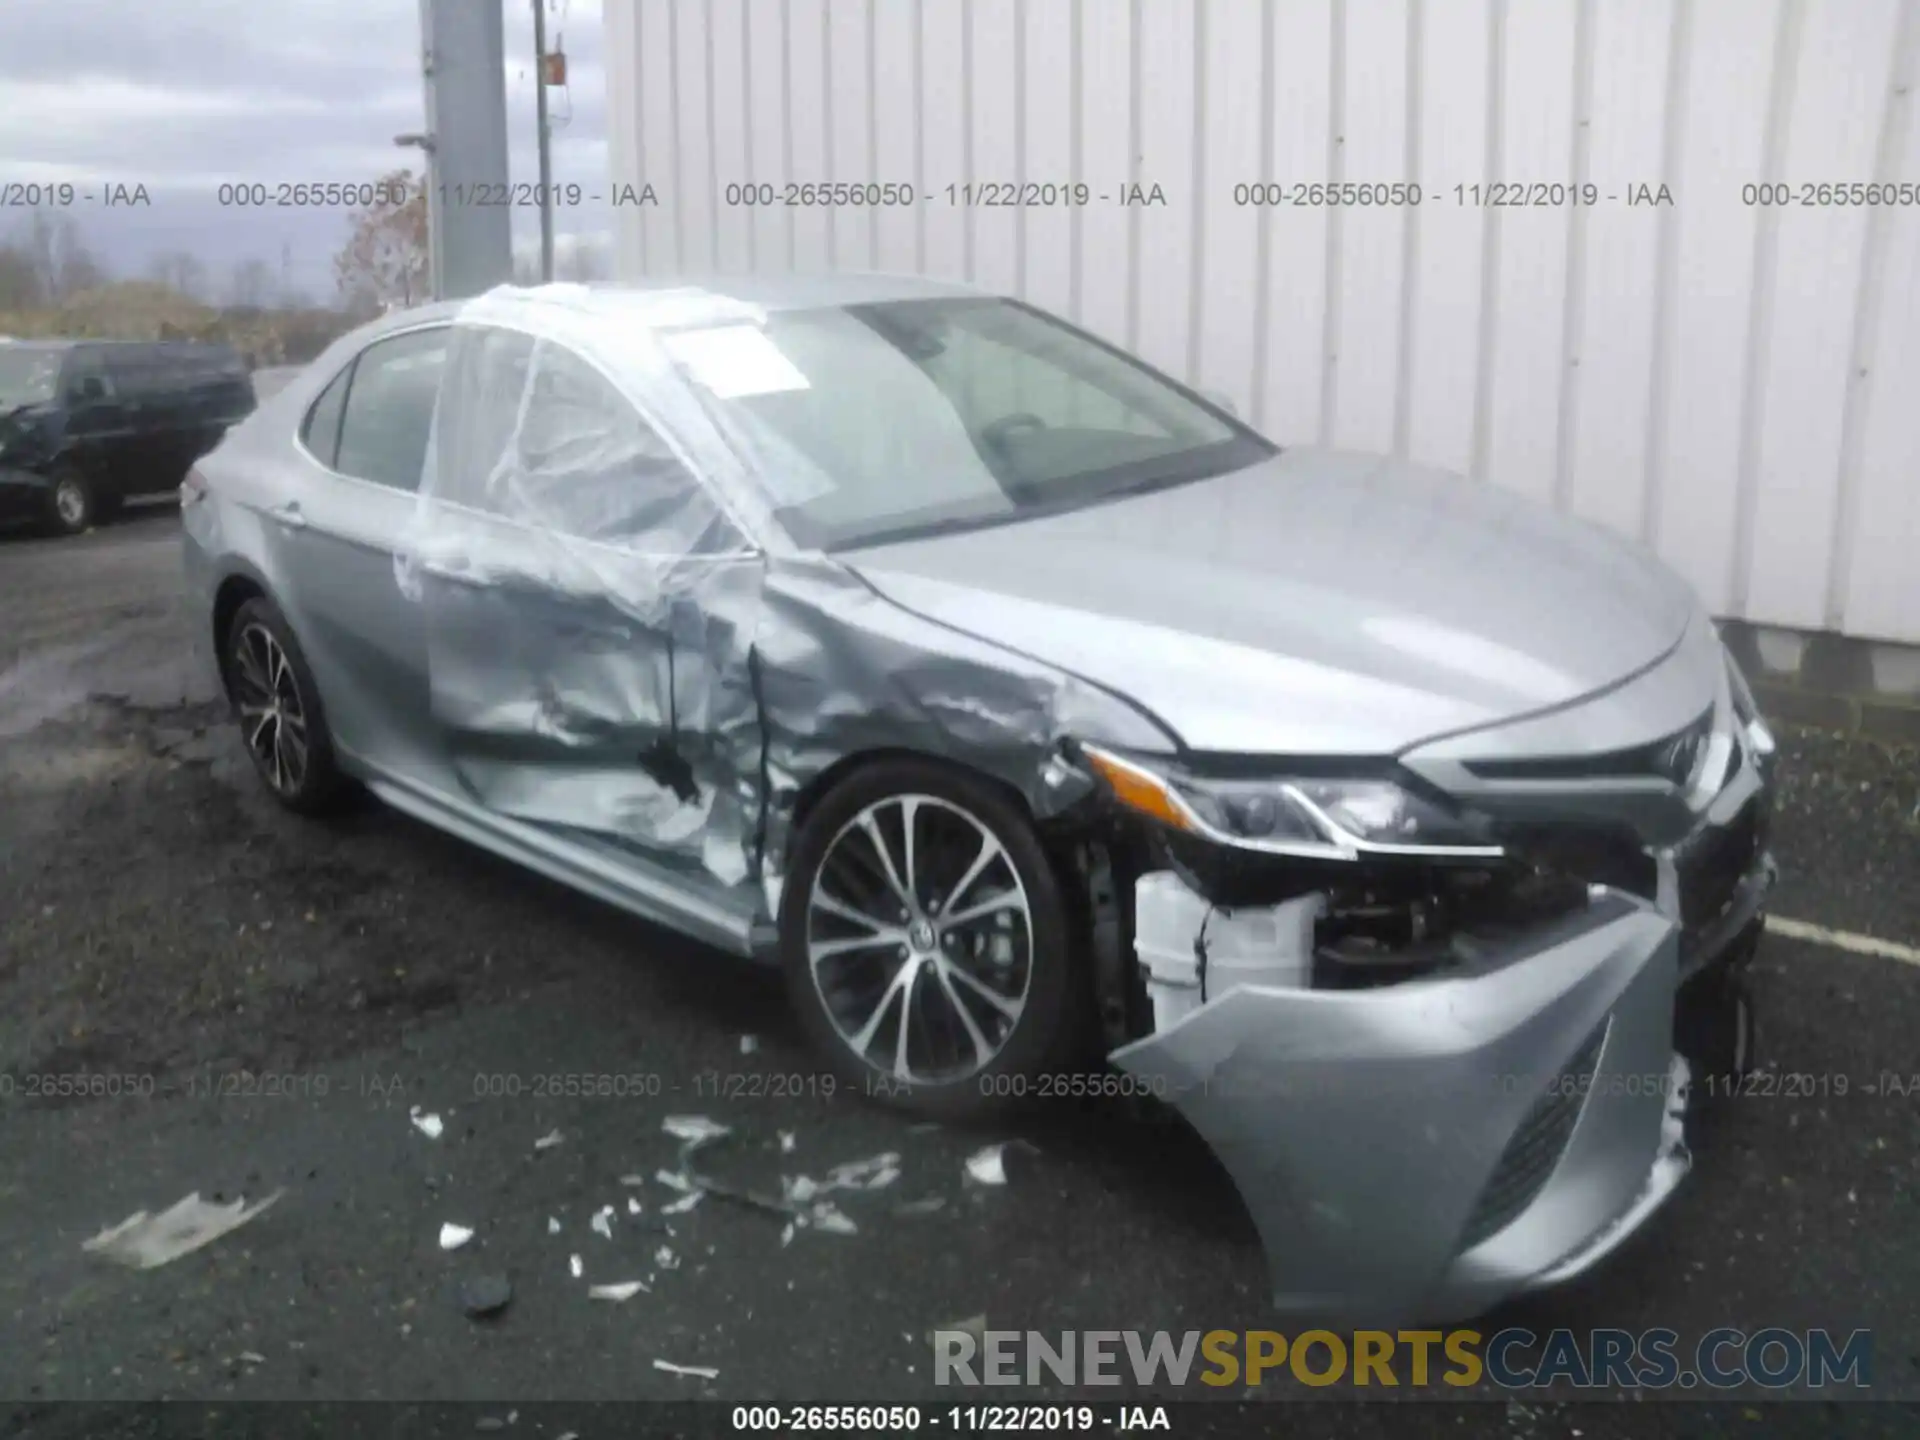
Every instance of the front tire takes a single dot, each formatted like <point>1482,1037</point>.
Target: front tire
<point>925,941</point>
<point>274,698</point>
<point>71,504</point>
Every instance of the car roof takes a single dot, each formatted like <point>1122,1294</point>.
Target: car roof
<point>766,292</point>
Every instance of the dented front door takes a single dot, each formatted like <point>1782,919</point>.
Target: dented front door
<point>588,613</point>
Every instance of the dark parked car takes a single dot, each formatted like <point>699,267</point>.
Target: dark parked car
<point>86,424</point>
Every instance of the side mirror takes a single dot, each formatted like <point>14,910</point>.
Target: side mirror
<point>1220,400</point>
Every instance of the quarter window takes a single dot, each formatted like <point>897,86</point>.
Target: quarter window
<point>320,431</point>
<point>389,409</point>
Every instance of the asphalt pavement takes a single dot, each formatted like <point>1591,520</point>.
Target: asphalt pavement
<point>270,1003</point>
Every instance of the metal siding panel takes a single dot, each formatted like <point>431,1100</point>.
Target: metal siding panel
<point>1626,125</point>
<point>1723,123</point>
<point>997,161</point>
<point>943,117</point>
<point>659,142</point>
<point>1235,71</point>
<point>727,92</point>
<point>1106,125</point>
<point>700,236</point>
<point>896,119</point>
<point>1047,147</point>
<point>1371,237</point>
<point>1528,354</point>
<point>625,162</point>
<point>1880,586</point>
<point>1843,67</point>
<point>807,117</point>
<point>850,137</point>
<point>1169,117</point>
<point>1446,311</point>
<point>768,137</point>
<point>1883,582</point>
<point>1288,405</point>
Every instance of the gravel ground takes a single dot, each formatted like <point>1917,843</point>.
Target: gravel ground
<point>161,921</point>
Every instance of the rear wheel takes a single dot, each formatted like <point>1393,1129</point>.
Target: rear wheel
<point>278,707</point>
<point>925,941</point>
<point>71,506</point>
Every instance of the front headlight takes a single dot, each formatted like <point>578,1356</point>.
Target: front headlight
<point>1310,816</point>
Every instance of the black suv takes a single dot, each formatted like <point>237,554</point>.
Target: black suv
<point>85,424</point>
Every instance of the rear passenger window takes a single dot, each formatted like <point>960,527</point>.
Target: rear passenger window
<point>486,380</point>
<point>320,431</point>
<point>124,367</point>
<point>389,409</point>
<point>87,379</point>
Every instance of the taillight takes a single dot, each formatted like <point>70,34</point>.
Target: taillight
<point>193,489</point>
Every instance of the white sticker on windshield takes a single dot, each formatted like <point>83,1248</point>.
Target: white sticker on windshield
<point>734,361</point>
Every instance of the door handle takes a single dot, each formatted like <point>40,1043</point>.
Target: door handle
<point>452,576</point>
<point>290,515</point>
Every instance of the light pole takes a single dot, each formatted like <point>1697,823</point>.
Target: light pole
<point>540,121</point>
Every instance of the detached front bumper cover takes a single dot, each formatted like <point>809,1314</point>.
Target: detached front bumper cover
<point>1421,1152</point>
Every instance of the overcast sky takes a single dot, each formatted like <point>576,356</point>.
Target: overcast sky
<point>183,95</point>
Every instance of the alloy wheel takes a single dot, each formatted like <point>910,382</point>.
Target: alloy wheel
<point>920,939</point>
<point>273,717</point>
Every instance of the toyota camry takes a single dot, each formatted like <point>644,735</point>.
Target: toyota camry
<point>1025,706</point>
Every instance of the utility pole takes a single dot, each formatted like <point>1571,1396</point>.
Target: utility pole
<point>463,62</point>
<point>546,160</point>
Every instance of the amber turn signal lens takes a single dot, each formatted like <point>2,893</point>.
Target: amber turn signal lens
<point>1138,789</point>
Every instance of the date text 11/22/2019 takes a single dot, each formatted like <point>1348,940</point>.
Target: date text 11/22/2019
<point>956,1419</point>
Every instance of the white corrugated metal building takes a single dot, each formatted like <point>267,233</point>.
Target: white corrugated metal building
<point>1734,376</point>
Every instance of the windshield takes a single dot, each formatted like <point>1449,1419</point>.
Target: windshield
<point>28,377</point>
<point>870,423</point>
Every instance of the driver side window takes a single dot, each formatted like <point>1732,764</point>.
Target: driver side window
<point>989,383</point>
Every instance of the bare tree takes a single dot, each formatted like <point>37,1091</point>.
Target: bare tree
<point>20,287</point>
<point>62,263</point>
<point>180,271</point>
<point>384,261</point>
<point>251,286</point>
<point>287,294</point>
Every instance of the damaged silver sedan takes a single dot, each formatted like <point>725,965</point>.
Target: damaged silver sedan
<point>1019,701</point>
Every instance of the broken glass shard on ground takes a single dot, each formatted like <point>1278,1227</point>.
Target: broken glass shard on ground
<point>144,1241</point>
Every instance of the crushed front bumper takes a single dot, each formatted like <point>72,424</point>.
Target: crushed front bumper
<point>1418,1153</point>
<point>24,495</point>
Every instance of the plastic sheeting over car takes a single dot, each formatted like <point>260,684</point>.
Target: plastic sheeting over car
<point>623,643</point>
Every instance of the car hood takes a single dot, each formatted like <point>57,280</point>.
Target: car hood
<point>1317,603</point>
